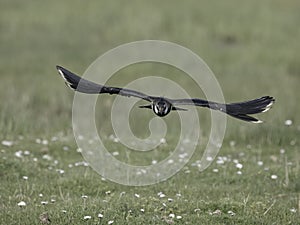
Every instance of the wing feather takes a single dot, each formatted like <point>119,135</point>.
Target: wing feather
<point>239,110</point>
<point>85,86</point>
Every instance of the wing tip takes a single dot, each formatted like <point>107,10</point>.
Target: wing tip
<point>257,121</point>
<point>61,72</point>
<point>269,106</point>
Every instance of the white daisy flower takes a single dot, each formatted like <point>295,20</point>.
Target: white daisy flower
<point>288,122</point>
<point>87,217</point>
<point>7,143</point>
<point>274,177</point>
<point>22,204</point>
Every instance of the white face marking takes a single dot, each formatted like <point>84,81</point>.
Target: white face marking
<point>259,121</point>
<point>166,110</point>
<point>156,109</point>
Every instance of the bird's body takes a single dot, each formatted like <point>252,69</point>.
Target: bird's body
<point>163,106</point>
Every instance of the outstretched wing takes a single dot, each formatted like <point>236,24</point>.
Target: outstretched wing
<point>239,110</point>
<point>82,85</point>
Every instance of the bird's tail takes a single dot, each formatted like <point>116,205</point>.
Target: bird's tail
<point>242,110</point>
<point>79,84</point>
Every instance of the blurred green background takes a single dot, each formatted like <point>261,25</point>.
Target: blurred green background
<point>251,46</point>
<point>253,50</point>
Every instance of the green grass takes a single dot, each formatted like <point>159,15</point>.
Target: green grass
<point>253,49</point>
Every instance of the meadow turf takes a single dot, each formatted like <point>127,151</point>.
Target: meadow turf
<point>251,46</point>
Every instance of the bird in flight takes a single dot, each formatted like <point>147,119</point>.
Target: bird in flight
<point>162,106</point>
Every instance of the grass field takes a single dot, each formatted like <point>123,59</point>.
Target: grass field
<point>252,47</point>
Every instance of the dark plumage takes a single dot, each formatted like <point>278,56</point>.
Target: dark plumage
<point>162,106</point>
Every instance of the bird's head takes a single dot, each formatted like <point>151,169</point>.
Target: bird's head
<point>161,107</point>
